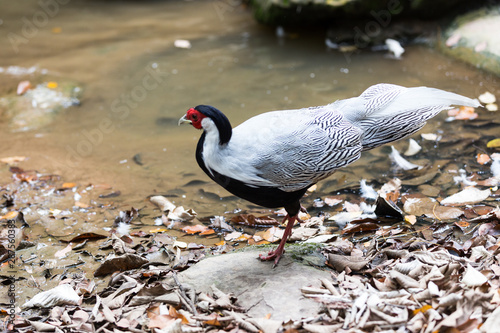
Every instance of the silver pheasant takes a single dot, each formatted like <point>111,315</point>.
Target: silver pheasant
<point>271,159</point>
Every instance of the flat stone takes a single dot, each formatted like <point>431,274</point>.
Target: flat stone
<point>259,288</point>
<point>473,38</point>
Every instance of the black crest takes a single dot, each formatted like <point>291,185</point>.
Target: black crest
<point>220,120</point>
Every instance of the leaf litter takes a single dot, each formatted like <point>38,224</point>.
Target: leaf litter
<point>415,250</point>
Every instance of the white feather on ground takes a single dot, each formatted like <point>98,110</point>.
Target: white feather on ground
<point>401,162</point>
<point>367,191</point>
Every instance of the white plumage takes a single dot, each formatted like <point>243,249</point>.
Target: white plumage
<point>293,149</point>
<point>271,159</point>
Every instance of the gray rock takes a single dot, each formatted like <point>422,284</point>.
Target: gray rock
<point>38,106</point>
<point>474,39</point>
<point>260,288</point>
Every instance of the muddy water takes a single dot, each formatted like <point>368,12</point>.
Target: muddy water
<point>137,84</point>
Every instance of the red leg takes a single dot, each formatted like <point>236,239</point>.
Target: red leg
<point>276,254</point>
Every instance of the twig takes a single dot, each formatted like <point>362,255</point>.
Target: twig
<point>238,318</point>
<point>182,294</point>
<point>328,285</point>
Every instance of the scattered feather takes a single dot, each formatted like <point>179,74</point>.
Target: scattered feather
<point>182,44</point>
<point>495,166</point>
<point>463,179</point>
<point>401,162</point>
<point>413,148</point>
<point>367,191</point>
<point>123,228</point>
<point>366,208</point>
<point>331,45</point>
<point>394,47</point>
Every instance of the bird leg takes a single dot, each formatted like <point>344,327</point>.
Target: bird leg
<point>276,254</point>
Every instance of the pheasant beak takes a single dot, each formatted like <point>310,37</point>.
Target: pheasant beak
<point>184,120</point>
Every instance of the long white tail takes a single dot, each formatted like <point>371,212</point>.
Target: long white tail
<point>388,112</point>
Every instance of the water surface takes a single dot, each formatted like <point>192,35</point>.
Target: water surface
<point>137,84</point>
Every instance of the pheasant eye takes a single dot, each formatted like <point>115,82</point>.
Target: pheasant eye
<point>195,117</point>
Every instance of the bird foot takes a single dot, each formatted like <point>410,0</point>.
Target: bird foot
<point>275,254</point>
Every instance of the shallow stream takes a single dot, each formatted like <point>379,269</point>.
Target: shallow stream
<point>137,84</point>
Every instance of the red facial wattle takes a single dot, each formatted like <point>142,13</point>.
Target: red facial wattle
<point>195,117</point>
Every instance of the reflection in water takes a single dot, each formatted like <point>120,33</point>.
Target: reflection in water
<point>137,84</point>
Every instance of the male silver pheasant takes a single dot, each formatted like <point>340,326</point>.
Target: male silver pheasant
<point>273,158</point>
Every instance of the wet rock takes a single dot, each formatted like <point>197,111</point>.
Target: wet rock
<point>260,288</point>
<point>429,190</point>
<point>37,107</point>
<point>473,38</point>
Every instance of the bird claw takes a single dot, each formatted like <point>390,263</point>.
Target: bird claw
<point>276,255</point>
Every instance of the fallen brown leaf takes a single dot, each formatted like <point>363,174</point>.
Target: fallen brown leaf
<point>194,229</point>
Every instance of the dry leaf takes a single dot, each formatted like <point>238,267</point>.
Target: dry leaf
<point>12,160</point>
<point>422,309</point>
<point>467,196</point>
<point>463,113</point>
<point>81,204</point>
<point>272,234</point>
<point>430,208</point>
<point>194,229</point>
<point>162,203</point>
<point>252,220</point>
<point>487,98</point>
<point>473,278</point>
<point>61,253</point>
<point>340,262</point>
<point>63,294</point>
<point>412,219</point>
<point>332,201</point>
<point>233,236</point>
<point>207,232</point>
<point>23,87</point>
<point>495,143</point>
<point>121,263</point>
<point>483,158</point>
<point>10,215</point>
<point>491,107</point>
